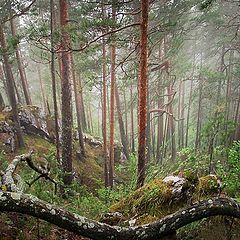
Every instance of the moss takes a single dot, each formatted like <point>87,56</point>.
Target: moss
<point>207,185</point>
<point>153,199</point>
<point>37,143</point>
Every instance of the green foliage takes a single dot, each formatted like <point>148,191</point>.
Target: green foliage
<point>188,158</point>
<point>229,171</point>
<point>205,5</point>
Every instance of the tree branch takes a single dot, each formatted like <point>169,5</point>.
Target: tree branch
<point>27,204</point>
<point>103,35</point>
<point>23,11</point>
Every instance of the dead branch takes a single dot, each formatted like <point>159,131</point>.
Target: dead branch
<point>11,181</point>
<point>28,204</point>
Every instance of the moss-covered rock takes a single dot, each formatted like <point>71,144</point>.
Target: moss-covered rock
<point>161,197</point>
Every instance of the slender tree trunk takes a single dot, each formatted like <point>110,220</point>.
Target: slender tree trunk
<point>82,107</point>
<point>17,91</point>
<point>78,108</point>
<point>126,116</point>
<point>182,115</point>
<point>198,136</point>
<point>153,134</point>
<point>66,96</point>
<point>42,89</point>
<point>148,131</point>
<point>113,80</point>
<point>132,120</point>
<point>179,114</point>
<point>90,118</point>
<point>53,76</point>
<point>165,137</point>
<point>171,125</point>
<point>237,120</point>
<point>121,125</point>
<point>10,88</point>
<point>20,66</point>
<point>160,126</point>
<point>188,112</point>
<point>228,100</point>
<point>142,94</point>
<point>104,109</point>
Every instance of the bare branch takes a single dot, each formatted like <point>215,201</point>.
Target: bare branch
<point>27,204</point>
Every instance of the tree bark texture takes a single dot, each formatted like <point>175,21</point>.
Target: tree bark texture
<point>66,96</point>
<point>142,94</point>
<point>31,205</point>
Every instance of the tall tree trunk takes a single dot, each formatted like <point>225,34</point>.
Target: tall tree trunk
<point>171,124</point>
<point>113,80</point>
<point>188,112</point>
<point>90,118</point>
<point>121,125</point>
<point>179,115</point>
<point>20,66</point>
<point>142,94</point>
<point>132,120</point>
<point>53,76</point>
<point>126,115</point>
<point>10,87</point>
<point>228,100</point>
<point>198,136</point>
<point>66,96</point>
<point>78,108</point>
<point>237,120</point>
<point>182,114</point>
<point>160,125</point>
<point>104,108</point>
<point>82,107</point>
<point>148,131</point>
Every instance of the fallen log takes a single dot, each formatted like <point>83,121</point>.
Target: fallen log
<point>28,204</point>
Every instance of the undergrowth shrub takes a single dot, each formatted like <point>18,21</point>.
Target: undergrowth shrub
<point>229,170</point>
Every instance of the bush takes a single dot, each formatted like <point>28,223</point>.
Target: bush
<point>230,171</point>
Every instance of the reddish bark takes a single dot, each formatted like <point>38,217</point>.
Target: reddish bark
<point>142,94</point>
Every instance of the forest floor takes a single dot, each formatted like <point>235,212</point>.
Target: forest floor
<point>92,200</point>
